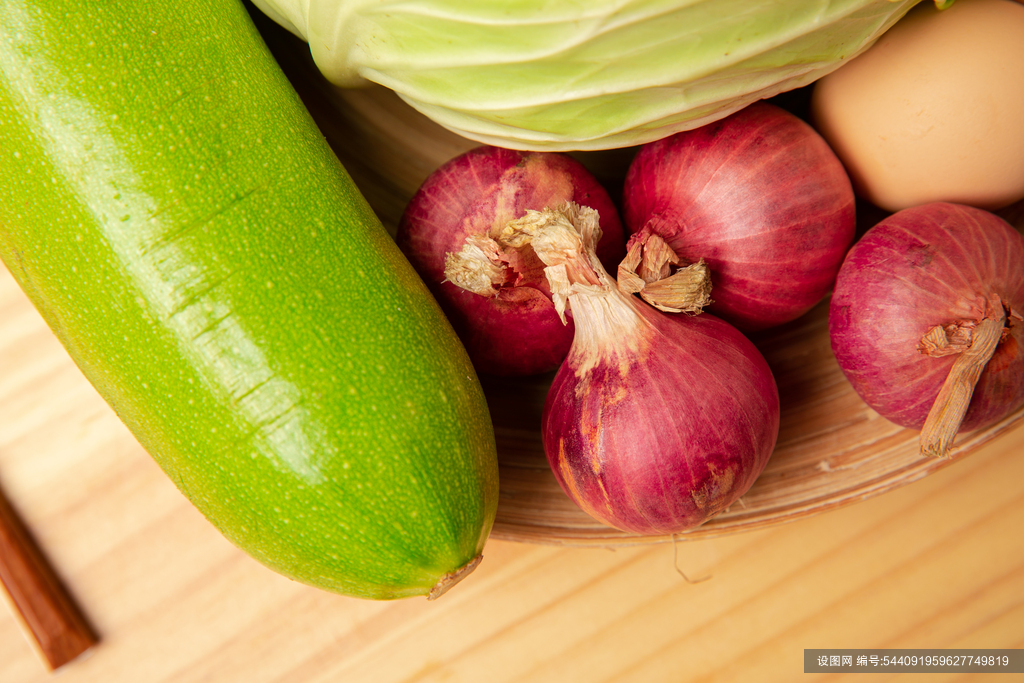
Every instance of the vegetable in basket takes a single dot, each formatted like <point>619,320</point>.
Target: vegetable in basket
<point>926,323</point>
<point>567,75</point>
<point>656,422</point>
<point>516,331</point>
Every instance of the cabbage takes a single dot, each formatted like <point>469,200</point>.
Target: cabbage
<point>582,74</point>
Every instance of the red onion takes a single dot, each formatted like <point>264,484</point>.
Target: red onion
<point>516,331</point>
<point>761,198</point>
<point>910,306</point>
<point>655,422</point>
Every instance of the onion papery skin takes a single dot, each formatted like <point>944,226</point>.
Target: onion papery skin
<point>658,438</point>
<point>762,198</point>
<point>924,266</point>
<point>517,332</point>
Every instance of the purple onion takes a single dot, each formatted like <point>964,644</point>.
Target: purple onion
<point>656,421</point>
<point>933,265</point>
<point>761,198</point>
<point>670,429</point>
<point>516,331</point>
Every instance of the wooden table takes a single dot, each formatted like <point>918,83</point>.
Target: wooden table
<point>936,564</point>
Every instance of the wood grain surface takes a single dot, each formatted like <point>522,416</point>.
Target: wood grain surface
<point>937,562</point>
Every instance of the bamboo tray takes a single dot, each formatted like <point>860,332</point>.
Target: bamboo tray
<point>832,449</point>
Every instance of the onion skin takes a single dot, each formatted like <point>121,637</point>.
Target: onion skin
<point>929,265</point>
<point>761,198</point>
<point>517,332</point>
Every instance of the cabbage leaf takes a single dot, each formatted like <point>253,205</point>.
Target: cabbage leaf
<point>582,74</point>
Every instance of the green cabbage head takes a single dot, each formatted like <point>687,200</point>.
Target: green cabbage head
<point>582,74</point>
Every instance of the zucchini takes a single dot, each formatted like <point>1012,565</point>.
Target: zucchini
<point>171,209</point>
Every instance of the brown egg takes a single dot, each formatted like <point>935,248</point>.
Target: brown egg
<point>934,111</point>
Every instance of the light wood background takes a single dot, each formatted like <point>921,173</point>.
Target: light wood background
<point>938,563</point>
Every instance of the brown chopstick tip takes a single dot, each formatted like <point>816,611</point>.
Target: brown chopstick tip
<point>50,618</point>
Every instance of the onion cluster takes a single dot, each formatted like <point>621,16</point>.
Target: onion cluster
<point>662,415</point>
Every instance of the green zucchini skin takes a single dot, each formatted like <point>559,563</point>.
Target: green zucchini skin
<point>171,209</point>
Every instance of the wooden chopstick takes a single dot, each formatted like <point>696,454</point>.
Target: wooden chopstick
<point>38,599</point>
